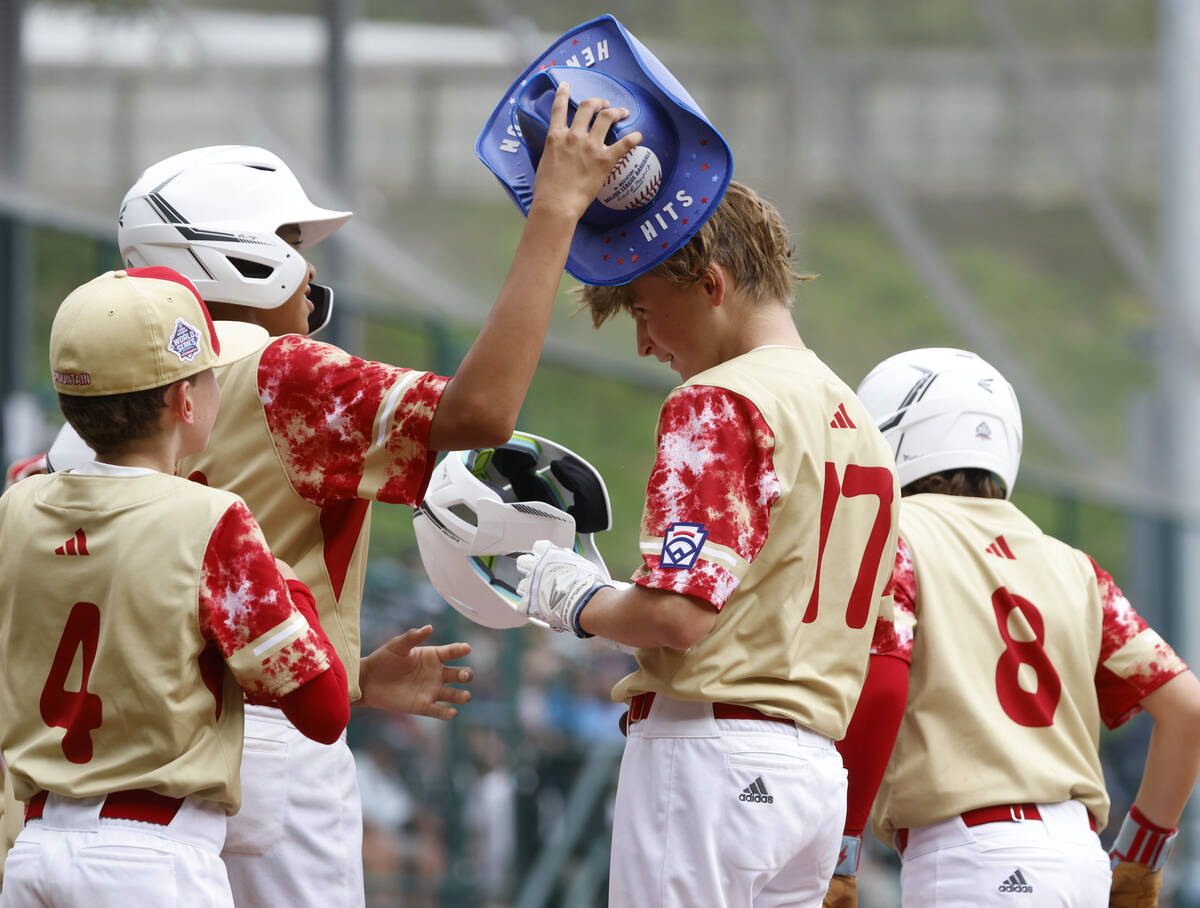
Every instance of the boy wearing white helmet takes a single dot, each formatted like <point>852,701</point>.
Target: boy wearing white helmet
<point>1019,646</point>
<point>309,435</point>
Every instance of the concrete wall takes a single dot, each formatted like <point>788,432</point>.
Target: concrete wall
<point>944,124</point>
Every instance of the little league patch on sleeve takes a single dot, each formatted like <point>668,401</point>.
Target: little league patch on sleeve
<point>185,342</point>
<point>682,544</point>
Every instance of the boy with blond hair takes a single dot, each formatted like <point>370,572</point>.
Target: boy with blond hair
<point>766,540</point>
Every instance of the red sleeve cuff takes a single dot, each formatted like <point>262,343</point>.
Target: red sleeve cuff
<point>319,708</point>
<point>867,746</point>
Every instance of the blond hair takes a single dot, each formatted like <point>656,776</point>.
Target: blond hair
<point>745,235</point>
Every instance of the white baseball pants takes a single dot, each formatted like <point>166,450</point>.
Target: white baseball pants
<point>74,858</point>
<point>724,813</point>
<point>1054,862</point>
<point>297,840</point>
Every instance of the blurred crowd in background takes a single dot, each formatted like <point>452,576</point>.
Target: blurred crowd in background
<point>540,702</point>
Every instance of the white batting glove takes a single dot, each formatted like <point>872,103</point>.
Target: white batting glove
<point>557,584</point>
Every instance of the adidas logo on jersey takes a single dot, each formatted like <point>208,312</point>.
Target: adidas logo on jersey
<point>1015,883</point>
<point>841,419</point>
<point>756,792</point>
<point>76,545</point>
<point>1000,548</point>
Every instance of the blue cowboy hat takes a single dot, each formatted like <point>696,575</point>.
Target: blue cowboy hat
<point>659,194</point>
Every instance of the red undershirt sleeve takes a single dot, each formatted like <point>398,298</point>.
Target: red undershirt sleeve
<point>867,746</point>
<point>319,708</point>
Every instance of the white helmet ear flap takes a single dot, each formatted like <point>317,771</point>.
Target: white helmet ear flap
<point>503,528</point>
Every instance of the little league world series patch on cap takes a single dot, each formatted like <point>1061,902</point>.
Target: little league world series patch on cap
<point>659,194</point>
<point>128,331</point>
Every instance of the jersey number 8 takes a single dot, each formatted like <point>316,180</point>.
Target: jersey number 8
<point>1032,709</point>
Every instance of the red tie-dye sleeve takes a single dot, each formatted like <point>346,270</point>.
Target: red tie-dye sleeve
<point>1134,660</point>
<point>895,637</point>
<point>245,609</point>
<point>345,427</point>
<point>714,481</point>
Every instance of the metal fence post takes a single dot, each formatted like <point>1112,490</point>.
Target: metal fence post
<point>13,283</point>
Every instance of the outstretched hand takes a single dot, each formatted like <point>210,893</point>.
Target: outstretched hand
<point>575,161</point>
<point>404,677</point>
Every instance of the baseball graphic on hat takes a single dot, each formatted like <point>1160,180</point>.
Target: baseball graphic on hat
<point>633,182</point>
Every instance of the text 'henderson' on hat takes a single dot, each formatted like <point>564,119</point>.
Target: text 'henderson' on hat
<point>659,194</point>
<point>129,331</point>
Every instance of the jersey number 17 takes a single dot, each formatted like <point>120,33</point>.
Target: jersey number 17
<point>857,480</point>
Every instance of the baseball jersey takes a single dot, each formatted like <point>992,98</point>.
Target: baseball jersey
<point>136,610</point>
<point>773,498</point>
<point>308,435</point>
<point>1020,645</point>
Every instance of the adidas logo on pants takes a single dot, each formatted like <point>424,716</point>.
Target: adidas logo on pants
<point>756,791</point>
<point>1015,883</point>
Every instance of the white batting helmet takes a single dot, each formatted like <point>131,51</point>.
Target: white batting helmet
<point>212,215</point>
<point>945,409</point>
<point>486,506</point>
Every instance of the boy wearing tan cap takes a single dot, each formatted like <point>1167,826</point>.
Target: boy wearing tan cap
<point>137,609</point>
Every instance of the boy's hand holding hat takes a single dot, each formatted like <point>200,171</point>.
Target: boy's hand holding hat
<point>659,194</point>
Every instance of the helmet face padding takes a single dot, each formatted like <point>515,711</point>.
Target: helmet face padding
<point>517,465</point>
<point>486,506</point>
<point>590,508</point>
<point>321,296</point>
<point>943,409</point>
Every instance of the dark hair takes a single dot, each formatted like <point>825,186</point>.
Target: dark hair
<point>969,483</point>
<point>111,422</point>
<point>745,235</point>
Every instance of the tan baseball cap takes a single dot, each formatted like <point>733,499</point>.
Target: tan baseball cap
<point>130,331</point>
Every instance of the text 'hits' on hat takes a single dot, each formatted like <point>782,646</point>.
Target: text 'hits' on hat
<point>659,194</point>
<point>128,331</point>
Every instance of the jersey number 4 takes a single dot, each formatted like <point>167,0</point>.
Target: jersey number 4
<point>78,711</point>
<point>857,480</point>
<point>1032,709</point>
